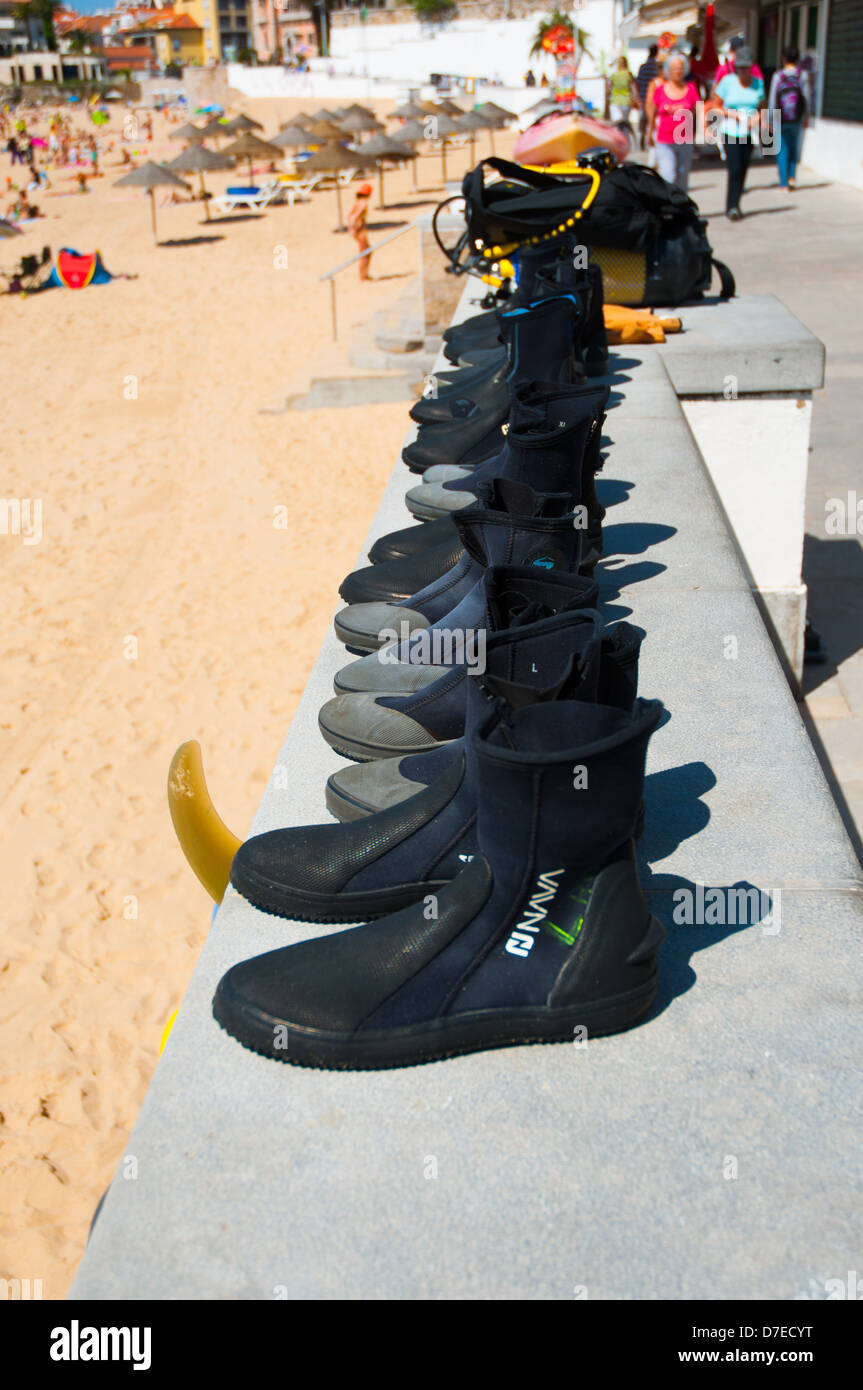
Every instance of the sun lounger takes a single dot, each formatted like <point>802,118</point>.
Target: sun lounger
<point>253,198</point>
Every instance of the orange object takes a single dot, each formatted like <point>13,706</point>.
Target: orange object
<point>625,325</point>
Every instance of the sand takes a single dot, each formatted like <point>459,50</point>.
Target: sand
<point>162,603</point>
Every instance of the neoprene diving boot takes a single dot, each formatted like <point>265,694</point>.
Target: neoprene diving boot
<point>541,344</point>
<point>349,872</point>
<point>531,261</point>
<point>396,579</point>
<point>552,429</point>
<point>510,523</point>
<point>389,720</point>
<point>544,936</point>
<point>361,789</point>
<point>413,663</point>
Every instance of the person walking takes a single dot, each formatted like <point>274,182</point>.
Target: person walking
<point>789,101</point>
<point>739,97</point>
<point>648,70</point>
<point>356,222</point>
<point>671,121</point>
<point>622,92</point>
<point>727,66</point>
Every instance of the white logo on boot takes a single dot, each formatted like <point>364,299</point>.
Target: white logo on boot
<point>522,939</point>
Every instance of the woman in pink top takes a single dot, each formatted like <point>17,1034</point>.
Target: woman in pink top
<point>671,120</point>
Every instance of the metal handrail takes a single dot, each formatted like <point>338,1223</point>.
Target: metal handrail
<point>368,251</point>
<point>331,274</point>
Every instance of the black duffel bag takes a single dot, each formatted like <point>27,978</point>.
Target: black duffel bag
<point>644,233</point>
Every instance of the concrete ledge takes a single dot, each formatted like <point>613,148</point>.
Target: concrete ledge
<point>704,1155</point>
<point>753,342</point>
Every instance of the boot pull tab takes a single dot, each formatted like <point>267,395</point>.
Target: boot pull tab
<point>516,697</point>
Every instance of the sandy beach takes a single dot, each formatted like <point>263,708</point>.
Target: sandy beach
<point>163,602</point>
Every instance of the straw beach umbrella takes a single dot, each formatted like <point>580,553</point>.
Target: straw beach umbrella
<point>248,146</point>
<point>239,124</point>
<point>150,176</point>
<point>189,131</point>
<point>382,150</point>
<point>434,126</point>
<point>450,108</point>
<point>332,159</point>
<point>408,111</point>
<point>469,124</point>
<point>357,124</point>
<point>196,160</point>
<point>291,137</point>
<point>356,109</point>
<point>323,131</point>
<point>215,126</point>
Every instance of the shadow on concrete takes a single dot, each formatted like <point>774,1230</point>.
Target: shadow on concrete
<point>612,491</point>
<point>750,212</point>
<point>833,573</point>
<point>613,574</point>
<point>696,916</point>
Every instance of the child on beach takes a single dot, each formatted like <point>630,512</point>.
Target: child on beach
<point>357,225</point>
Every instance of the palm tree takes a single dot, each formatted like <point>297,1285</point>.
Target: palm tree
<point>77,41</point>
<point>26,14</point>
<point>45,11</point>
<point>38,15</point>
<point>564,21</point>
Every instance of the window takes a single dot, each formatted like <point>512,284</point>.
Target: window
<point>812,27</point>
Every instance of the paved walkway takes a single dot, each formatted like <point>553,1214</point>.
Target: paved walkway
<point>805,248</point>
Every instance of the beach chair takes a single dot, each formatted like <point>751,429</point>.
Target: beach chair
<point>344,177</point>
<point>302,187</point>
<point>252,198</point>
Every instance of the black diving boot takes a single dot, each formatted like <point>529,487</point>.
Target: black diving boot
<point>544,936</point>
<point>509,524</point>
<point>347,873</point>
<point>541,345</point>
<point>409,666</point>
<point>361,789</point>
<point>547,421</point>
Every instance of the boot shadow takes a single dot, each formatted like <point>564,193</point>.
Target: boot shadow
<point>612,491</point>
<point>634,537</point>
<point>695,916</point>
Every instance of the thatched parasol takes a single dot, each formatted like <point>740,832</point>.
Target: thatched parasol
<point>322,131</point>
<point>248,146</point>
<point>331,159</point>
<point>408,111</point>
<point>435,126</point>
<point>239,124</point>
<point>358,123</point>
<point>189,131</point>
<point>196,160</point>
<point>291,137</point>
<point>150,176</point>
<point>469,124</point>
<point>382,150</point>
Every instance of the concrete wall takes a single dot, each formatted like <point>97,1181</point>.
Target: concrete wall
<point>835,150</point>
<point>476,44</point>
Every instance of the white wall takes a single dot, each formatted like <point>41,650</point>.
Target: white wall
<point>474,47</point>
<point>834,149</point>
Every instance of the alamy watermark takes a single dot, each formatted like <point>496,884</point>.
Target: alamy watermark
<point>21,516</point>
<point>448,646</point>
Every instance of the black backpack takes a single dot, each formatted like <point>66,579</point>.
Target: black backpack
<point>645,234</point>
